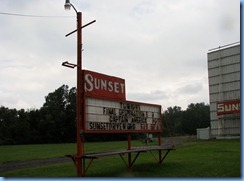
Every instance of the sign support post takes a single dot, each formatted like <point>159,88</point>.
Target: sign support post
<point>129,148</point>
<point>159,144</point>
<point>80,97</point>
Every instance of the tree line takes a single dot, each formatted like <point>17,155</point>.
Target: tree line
<point>55,121</point>
<point>177,122</point>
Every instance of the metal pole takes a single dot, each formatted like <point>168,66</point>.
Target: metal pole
<point>159,144</point>
<point>129,148</point>
<point>80,143</point>
<point>80,96</point>
<point>81,27</point>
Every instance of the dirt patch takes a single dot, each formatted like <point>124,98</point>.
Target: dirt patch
<point>10,166</point>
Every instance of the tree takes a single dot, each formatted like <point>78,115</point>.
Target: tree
<point>179,122</point>
<point>8,119</point>
<point>55,121</point>
<point>172,119</point>
<point>34,121</point>
<point>14,127</point>
<point>196,116</point>
<point>58,121</point>
<point>70,116</point>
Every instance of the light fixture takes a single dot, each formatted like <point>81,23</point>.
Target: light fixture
<point>67,64</point>
<point>67,5</point>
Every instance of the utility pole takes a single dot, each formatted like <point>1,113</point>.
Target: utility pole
<point>80,98</point>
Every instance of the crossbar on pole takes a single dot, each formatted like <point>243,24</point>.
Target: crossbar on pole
<point>81,27</point>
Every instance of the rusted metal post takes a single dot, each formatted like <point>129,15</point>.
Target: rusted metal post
<point>129,148</point>
<point>159,139</point>
<point>80,143</point>
<point>159,144</point>
<point>80,96</point>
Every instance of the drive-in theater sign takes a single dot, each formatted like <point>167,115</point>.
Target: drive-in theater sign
<point>108,111</point>
<point>102,108</point>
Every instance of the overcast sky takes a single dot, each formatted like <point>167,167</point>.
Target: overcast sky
<point>159,47</point>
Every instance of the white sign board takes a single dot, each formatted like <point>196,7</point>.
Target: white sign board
<point>111,116</point>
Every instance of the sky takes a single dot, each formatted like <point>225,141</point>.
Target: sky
<point>159,47</point>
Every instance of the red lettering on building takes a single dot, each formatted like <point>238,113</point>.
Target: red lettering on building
<point>228,107</point>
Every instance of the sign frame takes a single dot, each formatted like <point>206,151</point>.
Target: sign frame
<point>146,127</point>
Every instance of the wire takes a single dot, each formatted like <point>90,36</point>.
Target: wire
<point>34,16</point>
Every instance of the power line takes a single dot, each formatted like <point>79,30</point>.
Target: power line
<point>34,16</point>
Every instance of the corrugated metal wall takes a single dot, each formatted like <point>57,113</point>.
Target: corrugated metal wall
<point>224,85</point>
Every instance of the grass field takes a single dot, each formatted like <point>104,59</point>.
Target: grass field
<point>212,158</point>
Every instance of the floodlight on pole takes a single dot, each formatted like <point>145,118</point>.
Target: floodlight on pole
<point>67,6</point>
<point>79,94</point>
<point>80,99</point>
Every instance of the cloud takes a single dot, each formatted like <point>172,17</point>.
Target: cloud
<point>190,88</point>
<point>158,47</point>
<point>13,100</point>
<point>147,97</point>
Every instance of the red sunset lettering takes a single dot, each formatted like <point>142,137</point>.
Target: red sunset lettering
<point>104,86</point>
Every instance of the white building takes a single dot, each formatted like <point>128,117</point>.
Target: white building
<point>224,90</point>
